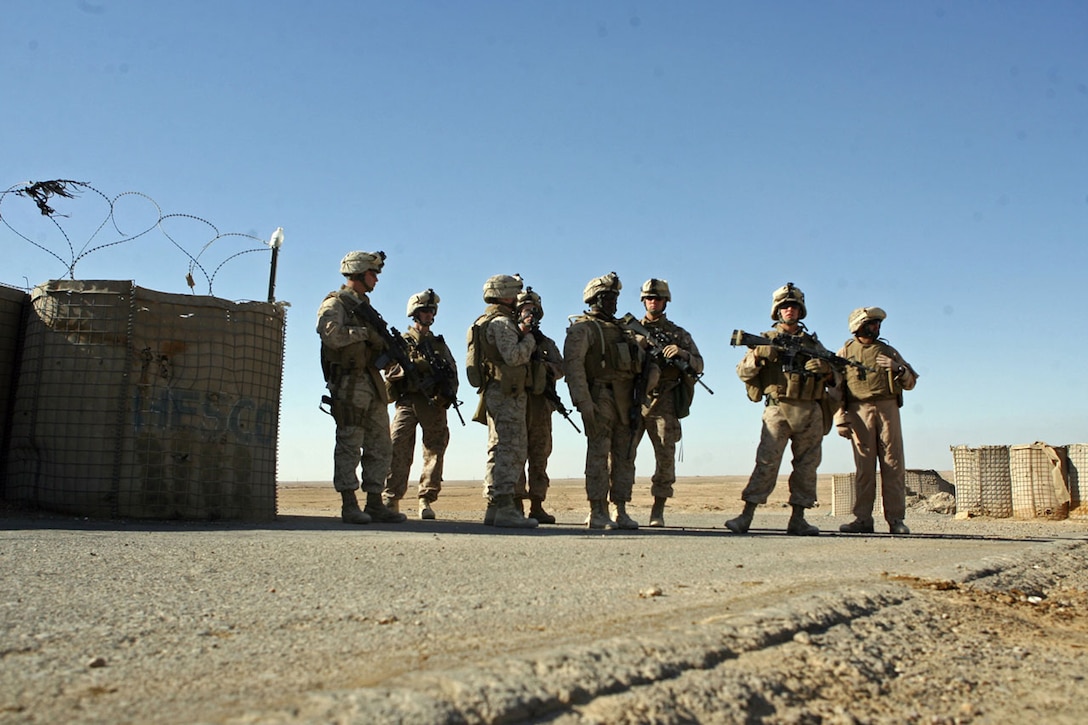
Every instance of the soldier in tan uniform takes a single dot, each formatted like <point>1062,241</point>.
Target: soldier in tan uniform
<point>349,356</point>
<point>794,413</point>
<point>500,348</point>
<point>869,417</point>
<point>601,359</point>
<point>426,409</point>
<point>546,368</point>
<point>668,394</point>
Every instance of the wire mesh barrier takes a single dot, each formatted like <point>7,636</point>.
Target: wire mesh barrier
<point>13,304</point>
<point>1039,488</point>
<point>1031,481</point>
<point>121,401</point>
<point>919,482</point>
<point>1077,462</point>
<point>983,483</point>
<point>136,403</point>
<point>927,482</point>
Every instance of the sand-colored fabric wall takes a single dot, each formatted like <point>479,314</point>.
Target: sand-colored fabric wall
<point>136,403</point>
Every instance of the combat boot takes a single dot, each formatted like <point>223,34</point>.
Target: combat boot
<point>623,521</point>
<point>598,516</point>
<point>898,527</point>
<point>657,513</point>
<point>741,524</point>
<point>381,513</point>
<point>426,513</point>
<point>536,510</point>
<point>857,526</point>
<point>350,513</point>
<point>798,526</point>
<point>507,515</point>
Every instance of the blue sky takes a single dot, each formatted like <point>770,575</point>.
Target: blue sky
<point>930,158</point>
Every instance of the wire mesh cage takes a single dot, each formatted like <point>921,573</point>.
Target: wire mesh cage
<point>983,483</point>
<point>136,403</point>
<point>1077,471</point>
<point>844,494</point>
<point>1039,486</point>
<point>13,303</point>
<point>926,483</point>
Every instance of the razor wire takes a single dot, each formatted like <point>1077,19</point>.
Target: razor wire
<point>46,194</point>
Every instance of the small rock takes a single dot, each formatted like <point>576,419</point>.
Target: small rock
<point>650,592</point>
<point>97,662</point>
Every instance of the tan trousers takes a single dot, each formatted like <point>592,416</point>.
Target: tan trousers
<point>370,434</point>
<point>610,467</point>
<point>412,411</point>
<point>877,436</point>
<point>662,427</point>
<point>538,422</point>
<point>800,424</point>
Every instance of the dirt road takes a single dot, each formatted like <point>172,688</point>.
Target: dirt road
<point>310,620</point>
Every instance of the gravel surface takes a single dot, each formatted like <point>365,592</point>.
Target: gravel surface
<point>309,620</point>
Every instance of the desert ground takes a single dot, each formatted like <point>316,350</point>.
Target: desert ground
<point>306,619</point>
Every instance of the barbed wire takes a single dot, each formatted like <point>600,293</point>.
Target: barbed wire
<point>44,195</point>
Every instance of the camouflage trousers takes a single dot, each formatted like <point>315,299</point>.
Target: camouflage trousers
<point>412,411</point>
<point>507,441</point>
<point>538,423</point>
<point>362,425</point>
<point>877,436</point>
<point>610,463</point>
<point>662,427</point>
<point>800,424</point>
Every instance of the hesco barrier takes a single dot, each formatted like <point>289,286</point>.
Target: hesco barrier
<point>1078,480</point>
<point>136,403</point>
<point>13,303</point>
<point>1039,488</point>
<point>983,483</point>
<point>921,482</point>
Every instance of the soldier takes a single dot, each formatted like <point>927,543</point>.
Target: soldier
<point>869,417</point>
<point>424,408</point>
<point>668,394</point>
<point>601,359</point>
<point>349,356</point>
<point>546,369</point>
<point>499,350</point>
<point>794,413</point>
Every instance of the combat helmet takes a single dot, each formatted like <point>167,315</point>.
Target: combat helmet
<point>529,297</point>
<point>427,299</point>
<point>862,315</point>
<point>502,287</point>
<point>787,293</point>
<point>608,283</point>
<point>359,262</point>
<point>656,288</point>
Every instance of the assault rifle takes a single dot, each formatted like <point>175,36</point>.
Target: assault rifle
<point>444,374</point>
<point>658,341</point>
<point>550,393</point>
<point>794,353</point>
<point>396,350</point>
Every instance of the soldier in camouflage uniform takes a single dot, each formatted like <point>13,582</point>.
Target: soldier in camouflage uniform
<point>869,417</point>
<point>794,413</point>
<point>601,359</point>
<point>349,353</point>
<point>500,348</point>
<point>546,368</point>
<point>668,394</point>
<point>425,409</point>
